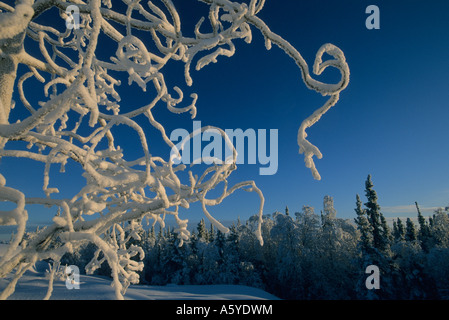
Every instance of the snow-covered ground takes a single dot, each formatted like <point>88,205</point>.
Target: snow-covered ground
<point>33,286</point>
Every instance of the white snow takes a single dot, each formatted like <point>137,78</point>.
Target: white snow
<point>13,23</point>
<point>33,286</point>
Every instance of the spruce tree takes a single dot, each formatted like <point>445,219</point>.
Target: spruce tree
<point>160,234</point>
<point>220,242</point>
<point>398,230</point>
<point>233,234</point>
<point>328,207</point>
<point>363,226</point>
<point>211,234</point>
<point>386,232</point>
<point>193,243</point>
<point>395,230</point>
<point>202,232</point>
<point>410,230</point>
<point>233,248</point>
<point>424,231</point>
<point>374,216</point>
<point>431,222</point>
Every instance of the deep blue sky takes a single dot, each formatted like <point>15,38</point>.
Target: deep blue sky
<point>391,121</point>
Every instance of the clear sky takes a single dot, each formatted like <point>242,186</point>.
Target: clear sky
<point>390,122</point>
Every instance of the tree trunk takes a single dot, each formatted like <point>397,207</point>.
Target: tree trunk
<point>8,72</point>
<point>12,26</point>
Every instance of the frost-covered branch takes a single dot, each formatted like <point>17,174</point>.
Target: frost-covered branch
<point>78,119</point>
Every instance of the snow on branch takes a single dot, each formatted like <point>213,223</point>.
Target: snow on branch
<point>78,120</point>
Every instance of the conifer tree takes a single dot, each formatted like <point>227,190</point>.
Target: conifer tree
<point>193,242</point>
<point>410,230</point>
<point>202,232</point>
<point>440,228</point>
<point>395,230</point>
<point>211,234</point>
<point>386,232</point>
<point>160,234</point>
<point>398,230</point>
<point>233,238</point>
<point>220,241</point>
<point>431,222</point>
<point>328,207</point>
<point>374,216</point>
<point>424,231</point>
<point>363,226</point>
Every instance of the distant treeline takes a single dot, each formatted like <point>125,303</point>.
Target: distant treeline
<point>305,255</point>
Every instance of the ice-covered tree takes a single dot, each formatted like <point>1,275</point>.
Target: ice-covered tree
<point>77,120</point>
<point>379,228</point>
<point>386,232</point>
<point>398,230</point>
<point>364,227</point>
<point>328,207</point>
<point>424,235</point>
<point>440,228</point>
<point>202,231</point>
<point>410,231</point>
<point>309,226</point>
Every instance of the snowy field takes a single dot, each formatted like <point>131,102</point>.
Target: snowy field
<point>33,286</point>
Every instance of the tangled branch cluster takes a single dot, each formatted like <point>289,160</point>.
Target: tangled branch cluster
<point>79,85</point>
